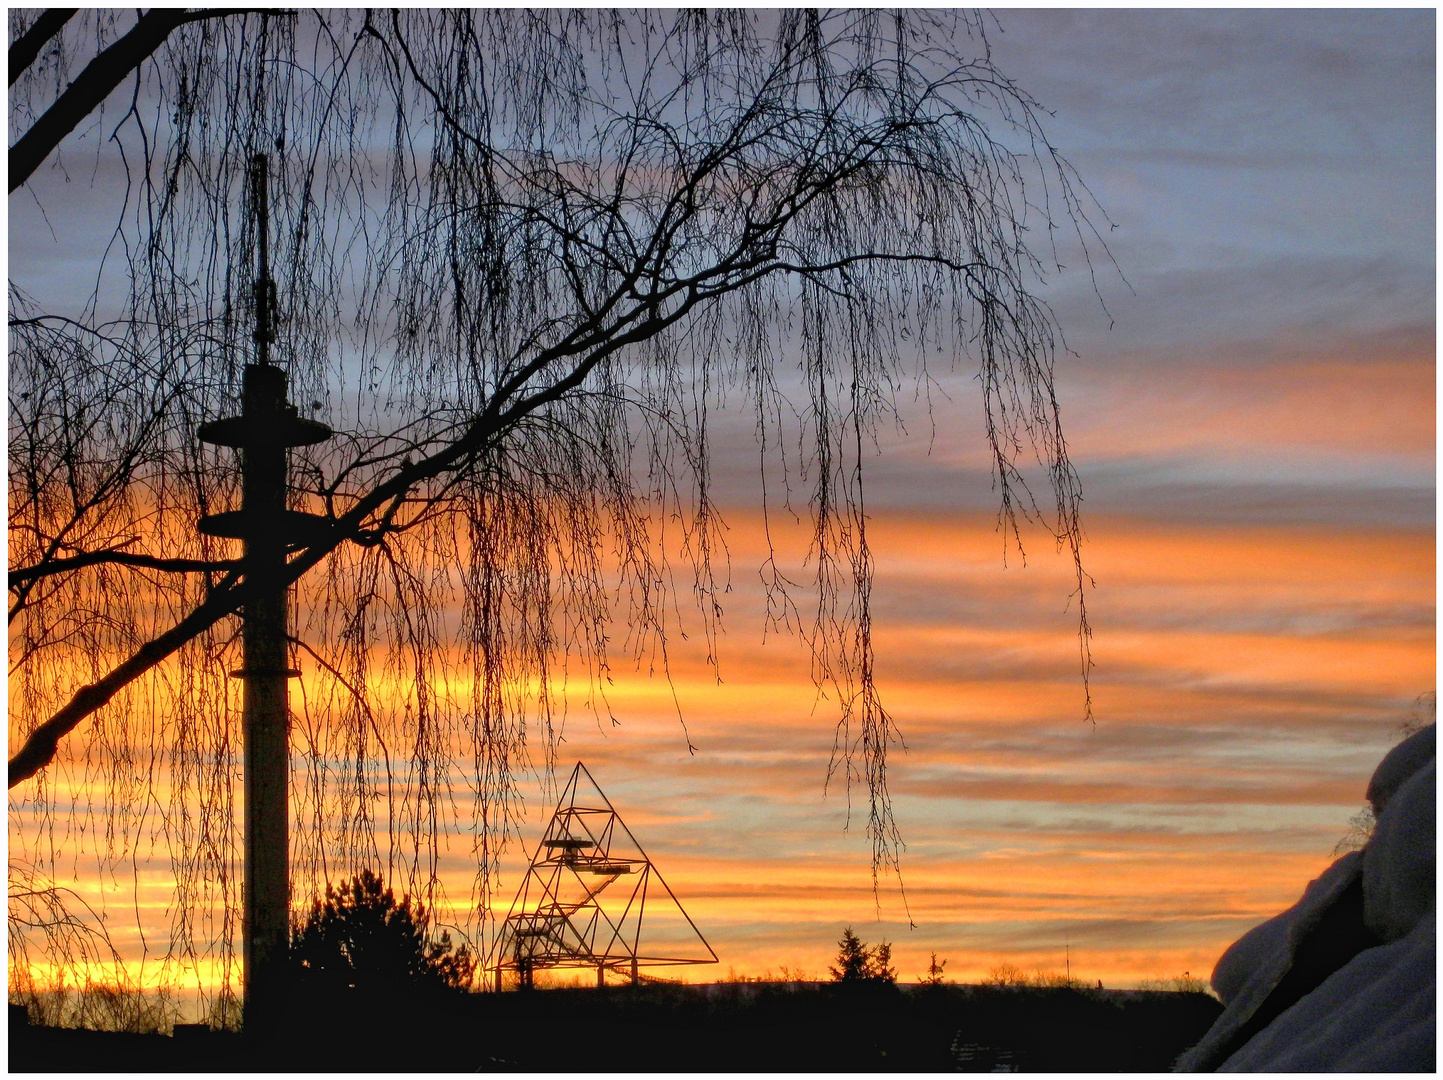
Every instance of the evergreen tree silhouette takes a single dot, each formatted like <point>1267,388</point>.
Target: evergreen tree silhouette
<point>934,972</point>
<point>879,964</point>
<point>857,963</point>
<point>360,938</point>
<point>852,958</point>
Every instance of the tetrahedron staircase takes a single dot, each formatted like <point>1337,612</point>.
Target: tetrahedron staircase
<point>592,898</point>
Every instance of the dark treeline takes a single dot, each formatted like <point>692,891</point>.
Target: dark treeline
<point>842,1027</point>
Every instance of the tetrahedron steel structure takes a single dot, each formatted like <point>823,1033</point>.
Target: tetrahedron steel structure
<point>592,898</point>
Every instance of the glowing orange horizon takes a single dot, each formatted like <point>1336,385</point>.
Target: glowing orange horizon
<point>1024,827</point>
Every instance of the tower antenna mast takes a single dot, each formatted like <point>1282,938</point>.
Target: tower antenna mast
<point>264,288</point>
<point>264,432</point>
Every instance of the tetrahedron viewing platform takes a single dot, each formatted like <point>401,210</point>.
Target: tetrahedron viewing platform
<point>591,898</point>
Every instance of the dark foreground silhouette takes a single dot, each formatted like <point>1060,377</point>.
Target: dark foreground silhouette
<point>724,1027</point>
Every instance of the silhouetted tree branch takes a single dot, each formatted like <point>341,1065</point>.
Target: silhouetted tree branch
<point>27,46</point>
<point>520,256</point>
<point>62,565</point>
<point>94,84</point>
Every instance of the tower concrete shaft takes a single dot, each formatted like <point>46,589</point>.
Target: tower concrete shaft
<point>264,432</point>
<point>266,708</point>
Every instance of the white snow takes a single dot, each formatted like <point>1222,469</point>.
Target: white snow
<point>1378,1011</point>
<point>1401,762</point>
<point>1262,956</point>
<point>1399,879</point>
<point>1374,1014</point>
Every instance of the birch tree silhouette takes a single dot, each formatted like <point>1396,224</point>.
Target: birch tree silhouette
<point>518,259</point>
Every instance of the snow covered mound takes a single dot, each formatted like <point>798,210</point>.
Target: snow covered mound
<point>1344,980</point>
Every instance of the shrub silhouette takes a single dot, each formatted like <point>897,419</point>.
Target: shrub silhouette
<point>1188,983</point>
<point>360,938</point>
<point>1007,974</point>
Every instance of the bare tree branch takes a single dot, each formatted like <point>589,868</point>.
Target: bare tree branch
<point>25,48</point>
<point>520,258</point>
<point>94,84</point>
<point>39,747</point>
<point>26,574</point>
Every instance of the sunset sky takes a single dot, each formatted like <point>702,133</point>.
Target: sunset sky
<point>1253,419</point>
<point>1255,435</point>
